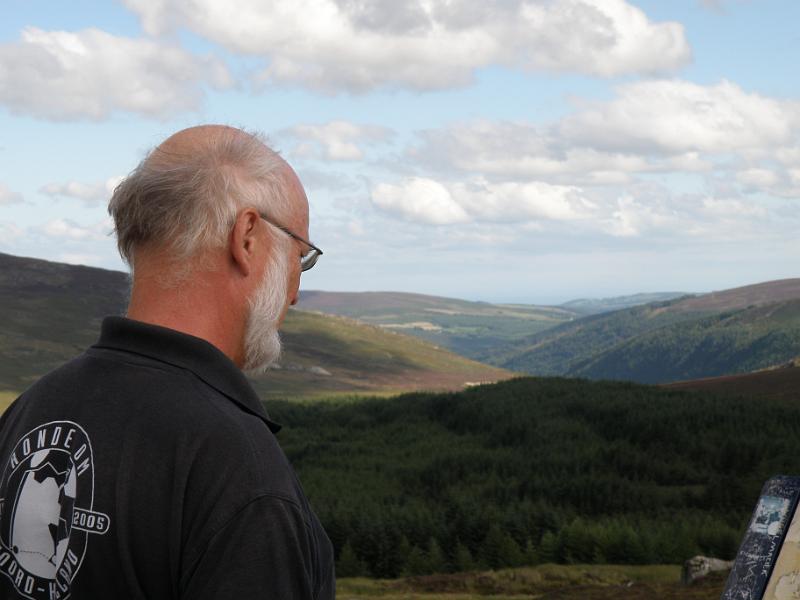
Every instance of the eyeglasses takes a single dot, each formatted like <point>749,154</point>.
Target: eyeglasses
<point>307,261</point>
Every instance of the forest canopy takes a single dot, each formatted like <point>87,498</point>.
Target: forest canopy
<point>536,470</point>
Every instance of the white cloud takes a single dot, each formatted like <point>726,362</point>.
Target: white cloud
<point>789,156</point>
<point>337,140</point>
<point>69,230</point>
<point>425,200</point>
<point>778,177</point>
<point>653,212</point>
<point>757,177</point>
<point>595,171</point>
<point>688,162</point>
<point>731,209</point>
<point>680,116</point>
<point>92,194</point>
<point>420,200</point>
<point>665,127</point>
<point>74,258</point>
<point>8,196</point>
<point>512,202</point>
<point>631,218</point>
<point>643,211</point>
<point>355,45</point>
<point>523,151</point>
<point>91,74</point>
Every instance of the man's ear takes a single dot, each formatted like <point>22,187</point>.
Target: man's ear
<point>245,246</point>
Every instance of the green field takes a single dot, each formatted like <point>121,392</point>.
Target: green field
<point>564,582</point>
<point>472,329</point>
<point>360,358</point>
<point>478,330</point>
<point>6,398</point>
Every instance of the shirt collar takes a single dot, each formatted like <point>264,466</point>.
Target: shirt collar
<point>180,349</point>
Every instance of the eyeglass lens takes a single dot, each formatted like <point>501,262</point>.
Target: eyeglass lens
<point>309,260</point>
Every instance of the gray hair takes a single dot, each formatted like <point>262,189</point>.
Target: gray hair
<point>262,342</point>
<point>188,201</point>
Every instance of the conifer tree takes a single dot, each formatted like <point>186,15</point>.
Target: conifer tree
<point>403,554</point>
<point>492,549</point>
<point>463,560</point>
<point>349,564</point>
<point>416,563</point>
<point>548,548</point>
<point>510,553</point>
<point>531,553</point>
<point>436,560</point>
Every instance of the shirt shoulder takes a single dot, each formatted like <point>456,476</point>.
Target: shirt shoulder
<point>218,454</point>
<point>176,402</point>
<point>267,545</point>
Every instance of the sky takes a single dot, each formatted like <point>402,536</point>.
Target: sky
<point>530,151</point>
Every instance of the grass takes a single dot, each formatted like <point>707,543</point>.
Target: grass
<point>562,582</point>
<point>468,328</point>
<point>6,398</point>
<point>362,359</point>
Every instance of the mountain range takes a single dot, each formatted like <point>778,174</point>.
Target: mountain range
<point>341,343</point>
<point>726,332</point>
<point>649,338</point>
<point>472,329</point>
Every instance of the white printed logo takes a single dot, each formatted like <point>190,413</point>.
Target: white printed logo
<point>46,510</point>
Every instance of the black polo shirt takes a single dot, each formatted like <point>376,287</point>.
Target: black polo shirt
<point>147,468</point>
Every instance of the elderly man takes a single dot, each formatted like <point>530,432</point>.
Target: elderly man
<point>148,467</point>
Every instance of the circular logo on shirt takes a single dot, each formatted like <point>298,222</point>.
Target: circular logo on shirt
<point>46,510</point>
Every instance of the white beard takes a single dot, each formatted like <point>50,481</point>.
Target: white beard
<point>262,342</point>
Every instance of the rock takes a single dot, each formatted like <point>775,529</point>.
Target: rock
<point>700,566</point>
<point>319,371</point>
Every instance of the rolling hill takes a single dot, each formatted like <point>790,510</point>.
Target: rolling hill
<point>593,306</point>
<point>325,355</point>
<point>725,332</point>
<point>557,350</point>
<point>782,382</point>
<point>728,342</point>
<point>52,311</point>
<point>477,330</point>
<point>472,329</point>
